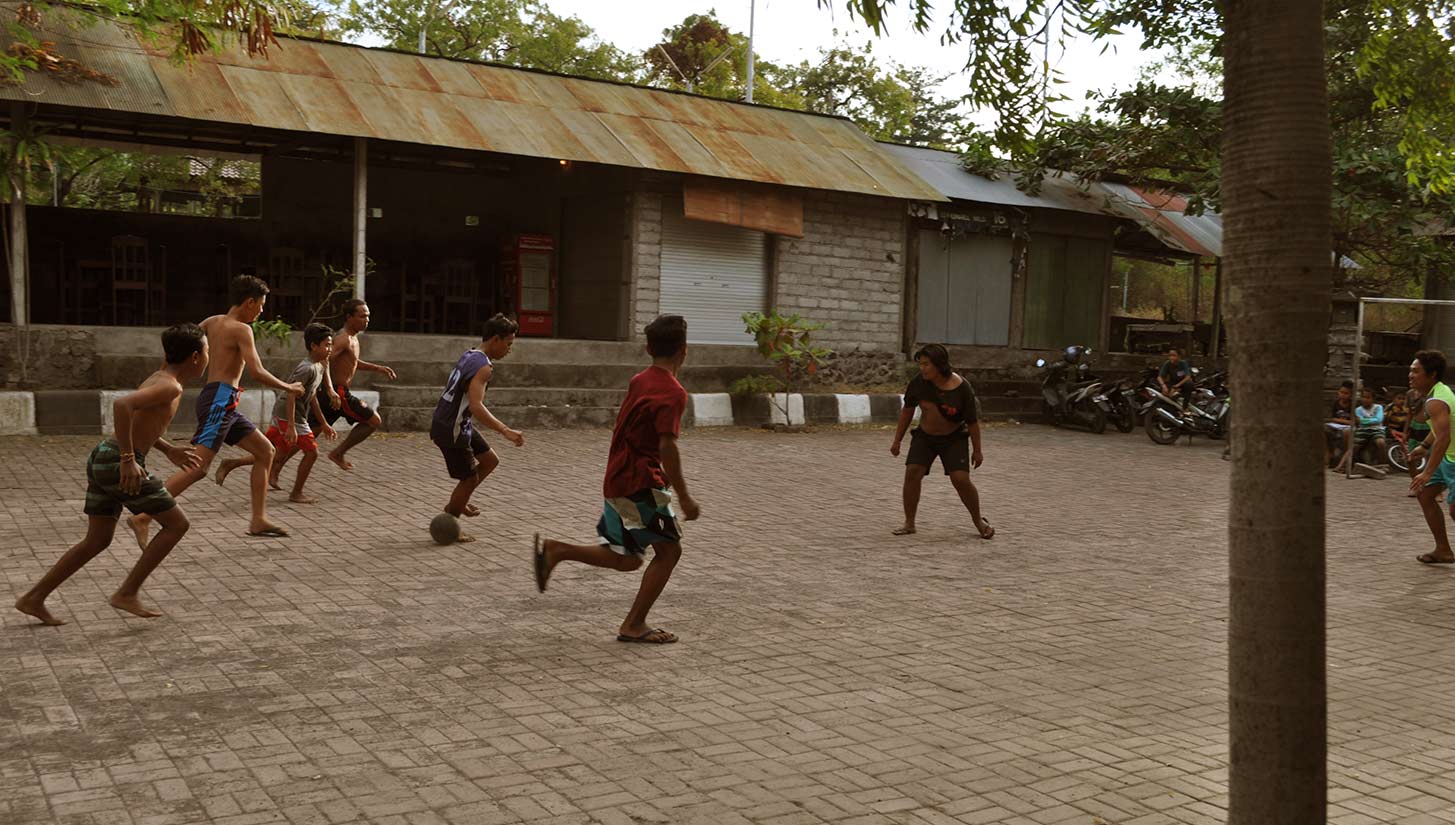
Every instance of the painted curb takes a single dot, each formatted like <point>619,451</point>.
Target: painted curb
<point>17,413</point>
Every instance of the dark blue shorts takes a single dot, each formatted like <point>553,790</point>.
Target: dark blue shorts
<point>218,421</point>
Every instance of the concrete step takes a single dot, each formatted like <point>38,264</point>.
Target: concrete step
<point>417,419</point>
<point>393,395</point>
<point>125,372</point>
<point>1002,407</point>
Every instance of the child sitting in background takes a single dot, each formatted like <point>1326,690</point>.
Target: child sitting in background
<point>1368,428</point>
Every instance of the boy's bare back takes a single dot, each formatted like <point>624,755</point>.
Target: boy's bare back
<point>231,341</point>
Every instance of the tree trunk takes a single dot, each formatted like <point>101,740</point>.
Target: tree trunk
<point>1277,218</point>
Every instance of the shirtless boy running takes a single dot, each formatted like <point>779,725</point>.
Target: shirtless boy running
<point>230,337</point>
<point>343,363</point>
<point>292,429</point>
<point>117,477</point>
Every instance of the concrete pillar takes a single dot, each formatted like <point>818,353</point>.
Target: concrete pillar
<point>19,240</point>
<point>1217,310</point>
<point>361,213</point>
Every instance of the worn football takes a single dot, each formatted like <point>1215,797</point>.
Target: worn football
<point>444,529</point>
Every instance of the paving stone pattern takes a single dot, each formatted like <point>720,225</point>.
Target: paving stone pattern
<point>1070,671</point>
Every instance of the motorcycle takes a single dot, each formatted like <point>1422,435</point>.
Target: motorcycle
<point>1128,400</point>
<point>1206,413</point>
<point>1069,396</point>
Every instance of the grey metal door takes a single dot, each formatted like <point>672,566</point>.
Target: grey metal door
<point>711,275</point>
<point>964,289</point>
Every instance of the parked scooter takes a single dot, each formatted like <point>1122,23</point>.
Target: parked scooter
<point>1206,413</point>
<point>1128,400</point>
<point>1069,396</point>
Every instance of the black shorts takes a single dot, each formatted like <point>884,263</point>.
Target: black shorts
<point>952,450</point>
<point>462,462</point>
<point>350,407</point>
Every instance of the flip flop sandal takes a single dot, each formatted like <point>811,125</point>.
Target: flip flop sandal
<point>270,533</point>
<point>902,532</point>
<point>663,637</point>
<point>992,529</point>
<point>1428,558</point>
<point>538,560</point>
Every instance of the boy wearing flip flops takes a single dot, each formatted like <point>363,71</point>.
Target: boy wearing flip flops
<point>644,484</point>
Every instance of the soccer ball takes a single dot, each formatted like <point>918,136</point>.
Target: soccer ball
<point>444,529</point>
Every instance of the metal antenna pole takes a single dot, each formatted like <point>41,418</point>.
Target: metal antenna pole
<point>752,15</point>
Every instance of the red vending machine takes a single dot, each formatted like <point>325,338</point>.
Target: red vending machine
<point>530,280</point>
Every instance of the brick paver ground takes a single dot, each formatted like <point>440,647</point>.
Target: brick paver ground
<point>1071,671</point>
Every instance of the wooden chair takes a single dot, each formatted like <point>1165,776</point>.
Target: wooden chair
<point>131,281</point>
<point>287,285</point>
<point>461,297</point>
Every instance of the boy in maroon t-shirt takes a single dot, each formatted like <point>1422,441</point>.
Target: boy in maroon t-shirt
<point>643,473</point>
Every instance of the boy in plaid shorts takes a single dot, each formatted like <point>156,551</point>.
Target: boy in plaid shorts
<point>117,477</point>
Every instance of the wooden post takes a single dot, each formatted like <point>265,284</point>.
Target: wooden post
<point>19,259</point>
<point>1217,309</point>
<point>1194,290</point>
<point>361,213</point>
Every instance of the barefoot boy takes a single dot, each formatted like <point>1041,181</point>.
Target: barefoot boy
<point>343,363</point>
<point>117,477</point>
<point>949,425</point>
<point>467,457</point>
<point>230,338</point>
<point>643,473</point>
<point>291,433</point>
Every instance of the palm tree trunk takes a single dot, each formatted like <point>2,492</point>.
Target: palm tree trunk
<point>1277,204</point>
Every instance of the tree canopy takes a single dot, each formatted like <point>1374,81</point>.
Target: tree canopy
<point>521,33</point>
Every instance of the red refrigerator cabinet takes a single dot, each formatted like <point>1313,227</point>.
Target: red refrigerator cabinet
<point>529,267</point>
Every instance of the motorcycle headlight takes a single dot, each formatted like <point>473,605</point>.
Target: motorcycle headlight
<point>1040,362</point>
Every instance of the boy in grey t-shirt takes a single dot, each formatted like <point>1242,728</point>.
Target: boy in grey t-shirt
<point>290,432</point>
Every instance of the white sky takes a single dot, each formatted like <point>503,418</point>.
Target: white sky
<point>788,31</point>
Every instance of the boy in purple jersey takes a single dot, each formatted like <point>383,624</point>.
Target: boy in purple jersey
<point>467,457</point>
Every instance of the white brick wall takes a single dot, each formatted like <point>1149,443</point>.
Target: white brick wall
<point>646,260</point>
<point>847,270</point>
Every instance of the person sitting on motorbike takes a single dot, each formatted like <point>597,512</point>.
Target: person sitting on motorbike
<point>1368,427</point>
<point>1175,377</point>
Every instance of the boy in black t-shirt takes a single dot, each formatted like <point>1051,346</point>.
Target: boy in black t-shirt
<point>949,426</point>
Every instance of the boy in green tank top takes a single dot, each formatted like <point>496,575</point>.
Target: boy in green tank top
<point>1427,374</point>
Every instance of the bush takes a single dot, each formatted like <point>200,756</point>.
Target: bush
<point>755,385</point>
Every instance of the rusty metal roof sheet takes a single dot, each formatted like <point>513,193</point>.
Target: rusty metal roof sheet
<point>1161,215</point>
<point>1164,216</point>
<point>351,91</point>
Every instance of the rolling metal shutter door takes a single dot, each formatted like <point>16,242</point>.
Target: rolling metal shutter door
<point>711,275</point>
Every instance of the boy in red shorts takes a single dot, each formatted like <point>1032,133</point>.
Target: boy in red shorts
<point>643,477</point>
<point>290,432</point>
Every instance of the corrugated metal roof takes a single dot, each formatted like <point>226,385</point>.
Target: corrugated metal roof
<point>351,91</point>
<point>1161,215</point>
<point>943,171</point>
<point>1164,216</point>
